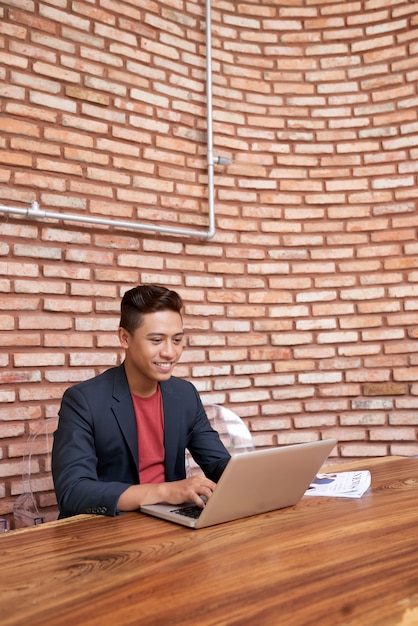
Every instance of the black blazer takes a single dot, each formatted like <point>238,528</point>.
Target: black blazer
<point>95,449</point>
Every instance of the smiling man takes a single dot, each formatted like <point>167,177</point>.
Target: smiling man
<point>122,436</point>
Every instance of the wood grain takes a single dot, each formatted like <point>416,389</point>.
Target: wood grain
<point>326,561</point>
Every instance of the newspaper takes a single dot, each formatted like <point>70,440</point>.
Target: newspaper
<point>340,484</point>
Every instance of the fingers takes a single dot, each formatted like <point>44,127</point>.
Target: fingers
<point>190,489</point>
<point>206,488</point>
<point>203,492</point>
<point>197,500</point>
<point>202,485</point>
<point>198,487</point>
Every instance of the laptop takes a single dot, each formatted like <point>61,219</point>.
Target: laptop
<point>253,482</point>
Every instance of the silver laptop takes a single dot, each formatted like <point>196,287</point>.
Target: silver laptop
<point>253,482</point>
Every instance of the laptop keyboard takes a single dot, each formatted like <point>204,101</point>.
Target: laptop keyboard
<point>192,511</point>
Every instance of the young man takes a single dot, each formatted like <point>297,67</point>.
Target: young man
<point>121,436</point>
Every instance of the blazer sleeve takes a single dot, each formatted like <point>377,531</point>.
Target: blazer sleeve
<point>82,448</point>
<point>187,426</point>
<point>207,449</point>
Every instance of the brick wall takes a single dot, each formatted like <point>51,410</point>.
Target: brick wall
<point>301,311</point>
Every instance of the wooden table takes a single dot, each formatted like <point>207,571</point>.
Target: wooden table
<point>324,562</point>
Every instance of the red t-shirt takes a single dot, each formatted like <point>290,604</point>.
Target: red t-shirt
<point>150,425</point>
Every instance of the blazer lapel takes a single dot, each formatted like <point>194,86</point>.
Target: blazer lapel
<point>123,410</point>
<point>171,406</point>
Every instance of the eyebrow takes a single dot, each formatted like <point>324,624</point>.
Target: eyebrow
<point>181,334</point>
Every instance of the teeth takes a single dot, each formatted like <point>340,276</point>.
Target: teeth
<point>163,364</point>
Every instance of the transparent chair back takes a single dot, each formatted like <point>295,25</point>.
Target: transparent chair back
<point>232,430</point>
<point>37,503</point>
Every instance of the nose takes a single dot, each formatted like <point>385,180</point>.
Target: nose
<point>168,349</point>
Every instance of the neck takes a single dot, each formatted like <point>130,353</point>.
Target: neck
<point>140,386</point>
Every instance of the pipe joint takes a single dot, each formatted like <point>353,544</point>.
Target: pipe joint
<point>35,210</point>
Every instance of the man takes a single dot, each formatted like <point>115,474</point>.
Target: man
<point>121,436</point>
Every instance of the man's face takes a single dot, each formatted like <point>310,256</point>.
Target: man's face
<point>154,348</point>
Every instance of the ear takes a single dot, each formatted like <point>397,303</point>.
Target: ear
<point>123,337</point>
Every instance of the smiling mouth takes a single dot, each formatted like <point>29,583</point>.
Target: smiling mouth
<point>164,366</point>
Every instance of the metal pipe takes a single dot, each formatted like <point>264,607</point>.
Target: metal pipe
<point>36,212</point>
<point>209,116</point>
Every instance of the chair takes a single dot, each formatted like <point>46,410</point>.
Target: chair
<point>37,503</point>
<point>233,432</point>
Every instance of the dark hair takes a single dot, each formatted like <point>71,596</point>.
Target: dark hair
<point>144,299</point>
